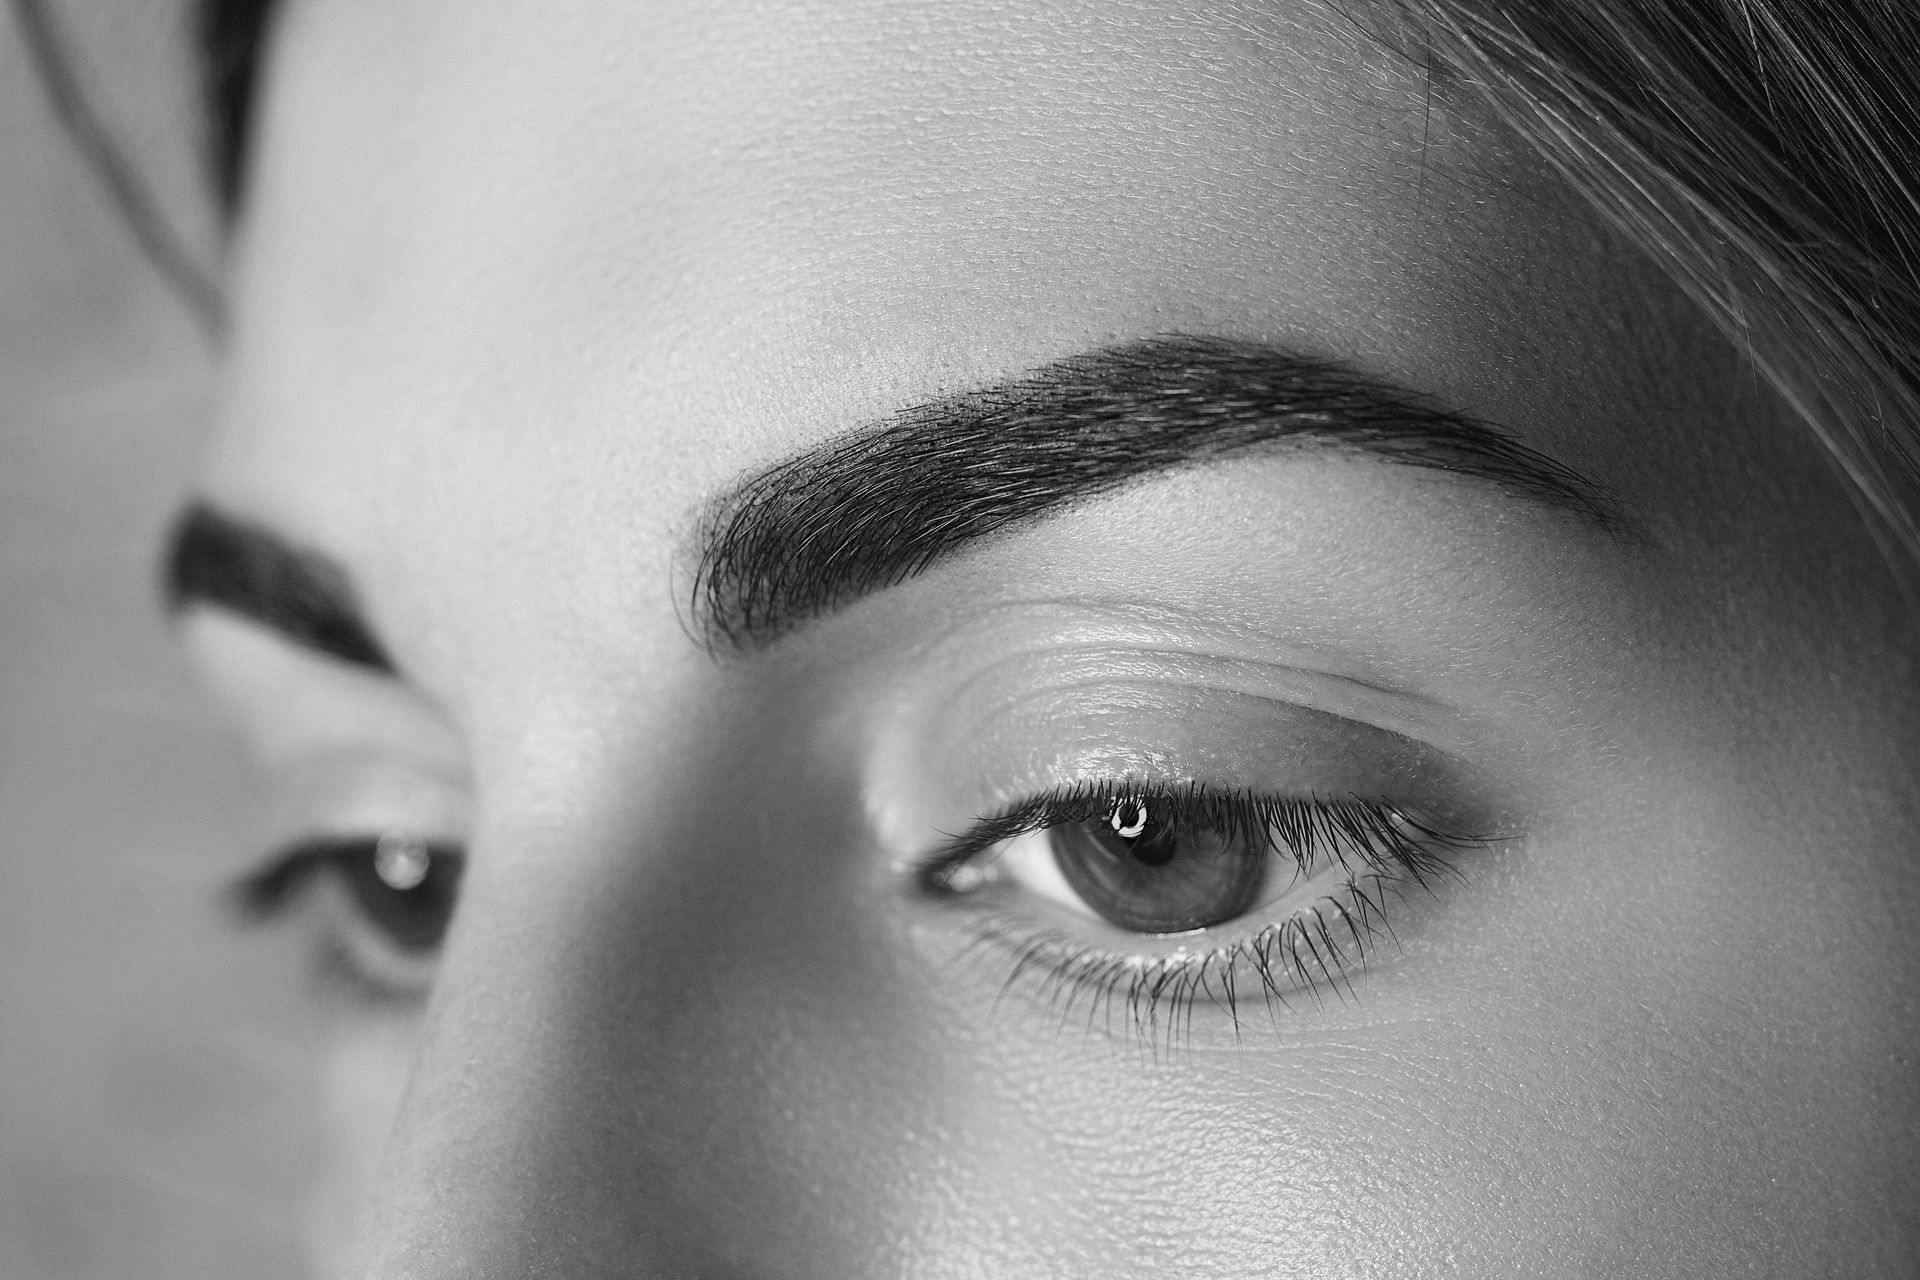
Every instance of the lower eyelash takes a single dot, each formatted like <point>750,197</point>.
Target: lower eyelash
<point>1151,999</point>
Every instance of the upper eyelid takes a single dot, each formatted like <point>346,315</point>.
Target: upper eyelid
<point>1002,729</point>
<point>1052,808</point>
<point>292,704</point>
<point>1017,651</point>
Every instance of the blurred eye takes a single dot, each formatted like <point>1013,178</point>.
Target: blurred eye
<point>385,904</point>
<point>405,888</point>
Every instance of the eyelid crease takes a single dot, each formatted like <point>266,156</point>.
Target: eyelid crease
<point>1039,623</point>
<point>1033,636</point>
<point>993,748</point>
<point>1283,683</point>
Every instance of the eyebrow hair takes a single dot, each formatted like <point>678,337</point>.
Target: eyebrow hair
<point>230,38</point>
<point>247,569</point>
<point>812,534</point>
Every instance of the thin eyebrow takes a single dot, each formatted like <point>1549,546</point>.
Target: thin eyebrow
<point>247,569</point>
<point>812,534</point>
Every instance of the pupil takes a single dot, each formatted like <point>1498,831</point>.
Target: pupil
<point>408,894</point>
<point>1149,842</point>
<point>1141,867</point>
<point>402,862</point>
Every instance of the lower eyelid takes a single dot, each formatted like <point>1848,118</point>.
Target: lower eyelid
<point>354,959</point>
<point>1182,995</point>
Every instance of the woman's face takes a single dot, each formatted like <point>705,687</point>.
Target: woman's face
<point>1466,836</point>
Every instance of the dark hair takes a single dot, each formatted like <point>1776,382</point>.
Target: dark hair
<point>1764,152</point>
<point>228,40</point>
<point>1767,154</point>
<point>156,235</point>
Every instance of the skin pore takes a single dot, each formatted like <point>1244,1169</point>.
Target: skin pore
<point>520,294</point>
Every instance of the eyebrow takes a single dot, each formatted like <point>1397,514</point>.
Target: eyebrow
<point>229,38</point>
<point>810,535</point>
<point>247,569</point>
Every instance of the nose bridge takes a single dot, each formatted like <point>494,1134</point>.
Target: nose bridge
<point>660,1044</point>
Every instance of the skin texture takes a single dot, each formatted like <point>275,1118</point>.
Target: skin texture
<point>519,290</point>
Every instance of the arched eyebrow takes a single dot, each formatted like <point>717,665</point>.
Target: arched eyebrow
<point>857,515</point>
<point>247,569</point>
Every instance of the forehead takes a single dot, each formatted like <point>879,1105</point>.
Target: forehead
<point>516,274</point>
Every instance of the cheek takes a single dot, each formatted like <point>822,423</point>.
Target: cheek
<point>362,1080</point>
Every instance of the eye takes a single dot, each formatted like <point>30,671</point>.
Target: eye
<point>405,887</point>
<point>386,902</point>
<point>1174,860</point>
<point>1179,896</point>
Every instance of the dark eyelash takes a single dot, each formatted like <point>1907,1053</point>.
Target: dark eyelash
<point>270,890</point>
<point>1302,954</point>
<point>407,922</point>
<point>1288,958</point>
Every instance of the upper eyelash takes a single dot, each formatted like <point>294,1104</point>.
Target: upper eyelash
<point>277,886</point>
<point>1392,845</point>
<point>1385,836</point>
<point>269,890</point>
